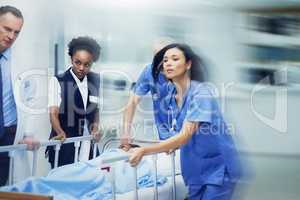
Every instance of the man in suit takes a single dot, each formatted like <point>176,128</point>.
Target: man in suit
<point>11,22</point>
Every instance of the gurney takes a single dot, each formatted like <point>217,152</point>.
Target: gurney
<point>172,189</point>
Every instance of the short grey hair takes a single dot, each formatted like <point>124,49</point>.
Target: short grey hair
<point>10,9</point>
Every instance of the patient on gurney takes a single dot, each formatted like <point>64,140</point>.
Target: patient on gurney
<point>86,180</point>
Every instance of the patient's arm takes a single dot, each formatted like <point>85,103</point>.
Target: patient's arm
<point>188,129</point>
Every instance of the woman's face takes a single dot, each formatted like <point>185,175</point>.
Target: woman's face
<point>82,61</point>
<point>175,64</point>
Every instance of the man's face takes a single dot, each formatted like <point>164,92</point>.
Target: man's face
<point>10,27</point>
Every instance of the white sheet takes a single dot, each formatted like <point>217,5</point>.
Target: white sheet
<point>164,191</point>
<point>164,164</point>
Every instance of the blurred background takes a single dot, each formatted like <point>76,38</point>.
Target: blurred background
<point>253,53</point>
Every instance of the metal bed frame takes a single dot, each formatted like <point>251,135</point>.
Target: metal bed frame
<point>11,149</point>
<point>23,196</point>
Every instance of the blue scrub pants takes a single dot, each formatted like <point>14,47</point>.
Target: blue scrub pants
<point>211,191</point>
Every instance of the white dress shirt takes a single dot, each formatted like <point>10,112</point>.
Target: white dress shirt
<point>55,90</point>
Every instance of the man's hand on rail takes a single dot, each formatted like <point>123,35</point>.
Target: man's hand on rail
<point>32,144</point>
<point>136,156</point>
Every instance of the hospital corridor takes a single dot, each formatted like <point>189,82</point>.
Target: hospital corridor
<point>164,100</point>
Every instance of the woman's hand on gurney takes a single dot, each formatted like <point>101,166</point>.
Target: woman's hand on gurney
<point>97,135</point>
<point>136,156</point>
<point>125,147</point>
<point>125,143</point>
<point>62,137</point>
<point>32,144</point>
<point>170,151</point>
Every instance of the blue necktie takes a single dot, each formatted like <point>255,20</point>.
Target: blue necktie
<point>1,103</point>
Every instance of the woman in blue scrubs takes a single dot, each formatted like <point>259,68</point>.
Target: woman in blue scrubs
<point>158,89</point>
<point>209,160</point>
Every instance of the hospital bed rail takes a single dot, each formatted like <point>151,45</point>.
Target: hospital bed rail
<point>23,196</point>
<point>110,141</point>
<point>107,161</point>
<point>11,149</point>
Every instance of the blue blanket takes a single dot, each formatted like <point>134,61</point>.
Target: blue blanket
<point>86,180</point>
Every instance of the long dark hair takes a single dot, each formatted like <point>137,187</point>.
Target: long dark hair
<point>198,71</point>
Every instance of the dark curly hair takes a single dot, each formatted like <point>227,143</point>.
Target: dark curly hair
<point>85,43</point>
<point>198,70</point>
